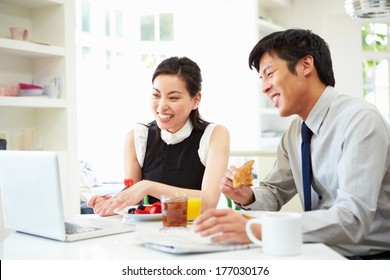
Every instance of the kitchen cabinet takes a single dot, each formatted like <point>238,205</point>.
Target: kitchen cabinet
<point>41,122</point>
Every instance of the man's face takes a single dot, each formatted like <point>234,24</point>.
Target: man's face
<point>285,89</point>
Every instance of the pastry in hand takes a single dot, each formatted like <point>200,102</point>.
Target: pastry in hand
<point>243,176</point>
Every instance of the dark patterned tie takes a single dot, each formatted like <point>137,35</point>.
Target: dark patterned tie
<point>306,165</point>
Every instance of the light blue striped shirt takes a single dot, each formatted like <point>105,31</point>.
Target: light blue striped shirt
<point>350,152</point>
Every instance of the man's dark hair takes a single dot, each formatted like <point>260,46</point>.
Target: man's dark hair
<point>292,45</point>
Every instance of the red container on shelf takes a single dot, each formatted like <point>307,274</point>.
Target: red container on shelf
<point>9,90</point>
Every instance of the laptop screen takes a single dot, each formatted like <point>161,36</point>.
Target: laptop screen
<point>31,192</point>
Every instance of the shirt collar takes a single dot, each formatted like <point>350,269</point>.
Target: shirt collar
<point>320,109</point>
<point>174,138</point>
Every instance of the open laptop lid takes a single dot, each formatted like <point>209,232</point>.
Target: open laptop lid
<point>31,193</point>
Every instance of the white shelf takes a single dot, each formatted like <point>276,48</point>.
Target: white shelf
<point>49,52</point>
<point>272,4</point>
<point>271,124</point>
<point>31,102</point>
<point>266,27</point>
<point>257,153</point>
<point>32,4</point>
<point>269,143</point>
<point>29,49</point>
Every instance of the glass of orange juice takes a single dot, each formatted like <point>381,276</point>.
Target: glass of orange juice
<point>193,208</point>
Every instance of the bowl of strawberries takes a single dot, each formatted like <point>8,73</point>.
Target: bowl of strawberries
<point>142,212</point>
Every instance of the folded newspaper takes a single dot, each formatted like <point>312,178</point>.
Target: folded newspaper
<point>185,241</point>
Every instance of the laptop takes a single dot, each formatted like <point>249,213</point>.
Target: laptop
<point>32,200</point>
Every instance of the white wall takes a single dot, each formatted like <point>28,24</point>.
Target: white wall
<point>329,20</point>
<point>4,232</point>
<point>220,40</point>
<point>218,35</point>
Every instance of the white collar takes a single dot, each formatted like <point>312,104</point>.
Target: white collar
<point>174,138</point>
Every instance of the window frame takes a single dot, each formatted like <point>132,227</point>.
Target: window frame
<point>374,55</point>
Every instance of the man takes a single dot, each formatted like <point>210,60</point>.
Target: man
<point>348,205</point>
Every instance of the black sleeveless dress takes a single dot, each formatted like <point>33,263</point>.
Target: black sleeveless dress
<point>177,165</point>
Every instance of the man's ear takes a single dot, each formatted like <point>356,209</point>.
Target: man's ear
<point>307,65</point>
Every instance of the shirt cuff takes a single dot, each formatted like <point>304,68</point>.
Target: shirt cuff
<point>261,202</point>
<point>245,207</point>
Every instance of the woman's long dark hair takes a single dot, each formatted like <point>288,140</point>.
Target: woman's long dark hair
<point>190,73</point>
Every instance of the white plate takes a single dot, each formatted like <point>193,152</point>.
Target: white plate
<point>254,214</point>
<point>30,92</point>
<point>138,217</point>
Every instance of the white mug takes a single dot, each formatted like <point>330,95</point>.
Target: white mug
<point>281,233</point>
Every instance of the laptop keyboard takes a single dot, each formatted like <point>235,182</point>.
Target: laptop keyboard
<point>74,228</point>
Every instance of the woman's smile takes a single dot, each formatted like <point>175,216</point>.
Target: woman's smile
<point>164,117</point>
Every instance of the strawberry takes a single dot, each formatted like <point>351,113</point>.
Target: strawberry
<point>158,204</point>
<point>139,211</point>
<point>155,210</point>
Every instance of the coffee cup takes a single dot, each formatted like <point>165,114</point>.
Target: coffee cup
<point>281,233</point>
<point>19,33</point>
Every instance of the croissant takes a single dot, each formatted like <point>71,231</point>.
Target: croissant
<point>243,176</point>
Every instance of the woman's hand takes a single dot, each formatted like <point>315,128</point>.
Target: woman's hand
<point>225,225</point>
<point>127,197</point>
<point>97,200</point>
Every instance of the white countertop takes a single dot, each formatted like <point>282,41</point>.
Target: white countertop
<point>125,246</point>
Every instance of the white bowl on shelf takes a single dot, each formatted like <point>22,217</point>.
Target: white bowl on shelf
<point>30,92</point>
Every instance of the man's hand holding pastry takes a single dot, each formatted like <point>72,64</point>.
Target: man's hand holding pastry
<point>237,182</point>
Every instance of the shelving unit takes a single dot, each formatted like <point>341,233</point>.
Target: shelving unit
<point>32,102</point>
<point>266,27</point>
<point>48,52</point>
<point>272,125</point>
<point>29,49</point>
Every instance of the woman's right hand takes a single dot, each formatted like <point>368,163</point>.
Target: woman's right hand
<point>106,205</point>
<point>97,201</point>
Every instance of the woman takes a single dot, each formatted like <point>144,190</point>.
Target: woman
<point>178,152</point>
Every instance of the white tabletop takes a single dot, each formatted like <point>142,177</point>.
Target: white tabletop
<point>125,246</point>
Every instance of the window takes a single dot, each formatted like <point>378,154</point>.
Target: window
<point>162,23</point>
<point>86,54</point>
<point>157,36</point>
<point>117,55</point>
<point>376,88</point>
<point>147,28</point>
<point>113,22</point>
<point>86,18</point>
<point>108,21</point>
<point>121,51</point>
<point>166,27</point>
<point>118,23</point>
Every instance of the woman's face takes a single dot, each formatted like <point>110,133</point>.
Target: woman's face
<point>171,102</point>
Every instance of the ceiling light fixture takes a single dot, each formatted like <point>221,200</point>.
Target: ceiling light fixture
<point>366,9</point>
